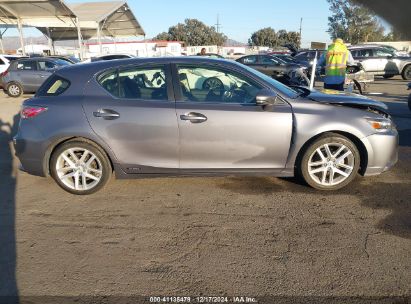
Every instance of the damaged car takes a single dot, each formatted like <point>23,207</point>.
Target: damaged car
<point>140,118</point>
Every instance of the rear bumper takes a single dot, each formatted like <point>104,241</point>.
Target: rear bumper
<point>382,151</point>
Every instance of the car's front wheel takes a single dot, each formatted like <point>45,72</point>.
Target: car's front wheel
<point>80,167</point>
<point>14,89</point>
<point>330,163</point>
<point>406,73</point>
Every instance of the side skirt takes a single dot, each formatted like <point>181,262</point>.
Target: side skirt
<point>152,172</point>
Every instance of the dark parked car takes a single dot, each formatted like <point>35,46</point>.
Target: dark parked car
<point>70,59</point>
<point>287,73</point>
<point>196,116</point>
<point>109,57</point>
<point>382,61</point>
<point>27,75</point>
<point>306,58</point>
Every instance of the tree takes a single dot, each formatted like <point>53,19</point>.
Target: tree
<point>193,32</point>
<point>264,37</point>
<point>353,23</point>
<point>268,37</point>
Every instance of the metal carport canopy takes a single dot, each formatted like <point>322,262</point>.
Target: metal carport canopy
<point>36,13</point>
<point>96,19</point>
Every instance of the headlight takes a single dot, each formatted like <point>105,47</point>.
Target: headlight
<point>381,124</point>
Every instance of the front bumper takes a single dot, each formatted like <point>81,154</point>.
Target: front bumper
<point>382,151</point>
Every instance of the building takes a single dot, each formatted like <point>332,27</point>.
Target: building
<point>145,48</point>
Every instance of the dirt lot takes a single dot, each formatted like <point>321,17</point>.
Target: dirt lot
<point>207,236</point>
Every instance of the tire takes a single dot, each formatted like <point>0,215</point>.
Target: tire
<point>388,76</point>
<point>406,72</point>
<point>14,89</point>
<point>312,161</point>
<point>78,176</point>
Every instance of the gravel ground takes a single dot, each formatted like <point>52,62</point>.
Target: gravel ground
<point>234,236</point>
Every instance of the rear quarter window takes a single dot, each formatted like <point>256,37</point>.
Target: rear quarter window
<point>53,86</point>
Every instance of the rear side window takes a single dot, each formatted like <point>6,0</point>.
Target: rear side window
<point>54,86</point>
<point>146,83</point>
<point>26,65</point>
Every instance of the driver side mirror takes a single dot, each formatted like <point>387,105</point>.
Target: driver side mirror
<point>266,98</point>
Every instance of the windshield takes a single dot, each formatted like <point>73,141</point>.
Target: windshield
<point>287,91</point>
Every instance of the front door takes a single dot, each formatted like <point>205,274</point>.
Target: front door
<point>132,109</point>
<point>220,125</point>
<point>44,69</point>
<point>26,72</point>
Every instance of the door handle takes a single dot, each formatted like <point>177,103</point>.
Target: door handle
<point>106,114</point>
<point>194,117</point>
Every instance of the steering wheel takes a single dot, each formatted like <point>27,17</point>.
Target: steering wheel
<point>234,94</point>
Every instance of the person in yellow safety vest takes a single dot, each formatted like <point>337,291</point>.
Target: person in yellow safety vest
<point>336,59</point>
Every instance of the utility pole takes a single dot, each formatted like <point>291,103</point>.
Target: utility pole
<point>218,27</point>
<point>218,24</point>
<point>301,28</point>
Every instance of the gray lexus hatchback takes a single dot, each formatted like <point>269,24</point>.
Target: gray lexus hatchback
<point>197,116</point>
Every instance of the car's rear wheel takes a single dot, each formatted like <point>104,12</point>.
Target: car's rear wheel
<point>330,163</point>
<point>80,167</point>
<point>14,89</point>
<point>406,73</point>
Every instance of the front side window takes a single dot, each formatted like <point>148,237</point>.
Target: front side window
<point>382,53</point>
<point>269,60</point>
<point>46,65</point>
<point>211,84</point>
<point>26,65</point>
<point>147,83</point>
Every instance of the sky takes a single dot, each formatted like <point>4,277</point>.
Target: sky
<point>238,18</point>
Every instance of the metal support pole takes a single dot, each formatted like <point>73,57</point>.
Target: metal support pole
<point>51,42</point>
<point>99,40</point>
<point>80,42</point>
<point>20,27</point>
<point>1,44</point>
<point>313,72</point>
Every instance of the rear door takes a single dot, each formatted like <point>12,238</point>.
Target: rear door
<point>221,127</point>
<point>133,111</point>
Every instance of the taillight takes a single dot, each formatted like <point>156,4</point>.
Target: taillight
<point>4,73</point>
<point>31,111</point>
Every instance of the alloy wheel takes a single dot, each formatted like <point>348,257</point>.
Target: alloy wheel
<point>79,169</point>
<point>331,164</point>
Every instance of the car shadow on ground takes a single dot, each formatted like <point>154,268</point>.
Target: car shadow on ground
<point>373,192</point>
<point>8,283</point>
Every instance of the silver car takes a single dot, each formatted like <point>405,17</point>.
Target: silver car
<point>196,116</point>
<point>382,61</point>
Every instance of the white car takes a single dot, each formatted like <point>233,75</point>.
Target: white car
<point>5,61</point>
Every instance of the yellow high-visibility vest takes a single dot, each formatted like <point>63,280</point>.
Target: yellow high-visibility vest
<point>336,60</point>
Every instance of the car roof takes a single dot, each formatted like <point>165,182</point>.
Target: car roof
<point>91,68</point>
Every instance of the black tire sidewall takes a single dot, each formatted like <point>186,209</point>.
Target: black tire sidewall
<point>101,155</point>
<point>16,84</point>
<point>324,139</point>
